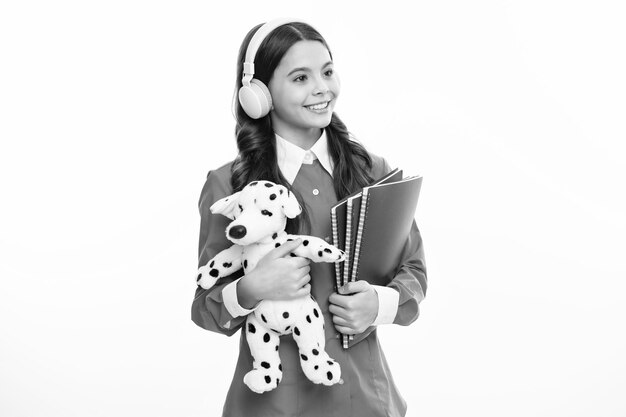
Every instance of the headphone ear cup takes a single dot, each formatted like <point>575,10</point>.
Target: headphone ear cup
<point>255,99</point>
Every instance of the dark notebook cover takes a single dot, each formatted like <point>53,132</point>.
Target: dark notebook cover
<point>339,220</point>
<point>387,212</point>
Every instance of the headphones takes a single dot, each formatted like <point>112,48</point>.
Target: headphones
<point>254,96</point>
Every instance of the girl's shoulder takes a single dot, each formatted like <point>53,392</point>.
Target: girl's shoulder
<point>222,173</point>
<point>380,166</point>
<point>217,184</point>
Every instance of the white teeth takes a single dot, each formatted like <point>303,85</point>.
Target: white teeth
<point>318,106</point>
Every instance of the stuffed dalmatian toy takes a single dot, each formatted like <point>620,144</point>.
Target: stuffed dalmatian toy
<point>259,213</point>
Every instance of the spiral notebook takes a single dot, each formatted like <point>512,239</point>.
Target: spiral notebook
<point>348,220</point>
<point>342,225</point>
<point>387,211</point>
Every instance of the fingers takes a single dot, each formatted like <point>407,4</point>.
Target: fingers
<point>299,262</point>
<point>338,311</point>
<point>303,291</point>
<point>284,249</point>
<point>339,300</point>
<point>354,287</point>
<point>344,326</point>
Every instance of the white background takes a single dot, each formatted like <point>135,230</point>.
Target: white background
<point>112,113</point>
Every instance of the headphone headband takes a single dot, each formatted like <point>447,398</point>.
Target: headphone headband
<point>257,39</point>
<point>254,96</point>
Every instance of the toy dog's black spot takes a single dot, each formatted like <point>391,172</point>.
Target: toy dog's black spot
<point>280,367</point>
<point>276,348</point>
<point>329,375</point>
<point>275,235</point>
<point>289,240</point>
<point>211,264</point>
<point>293,255</point>
<point>287,328</point>
<point>286,315</point>
<point>315,312</point>
<point>304,358</point>
<point>316,352</point>
<point>275,331</point>
<point>265,365</point>
<point>263,318</point>
<point>317,367</point>
<point>254,183</point>
<point>268,379</point>
<point>245,263</point>
<point>308,318</point>
<point>251,328</point>
<point>306,242</point>
<point>199,277</point>
<point>330,362</point>
<point>280,191</point>
<point>266,213</point>
<point>227,264</point>
<point>277,244</point>
<point>214,273</point>
<point>296,331</point>
<point>269,185</point>
<point>266,337</point>
<point>240,207</point>
<point>319,253</point>
<point>328,250</point>
<point>272,196</point>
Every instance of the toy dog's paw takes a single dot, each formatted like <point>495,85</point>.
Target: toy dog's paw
<point>328,253</point>
<point>207,276</point>
<point>320,368</point>
<point>262,380</point>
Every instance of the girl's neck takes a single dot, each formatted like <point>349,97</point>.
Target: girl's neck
<point>304,139</point>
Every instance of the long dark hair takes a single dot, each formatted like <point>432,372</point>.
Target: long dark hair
<point>256,139</point>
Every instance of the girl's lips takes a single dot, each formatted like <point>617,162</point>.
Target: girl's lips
<point>319,106</point>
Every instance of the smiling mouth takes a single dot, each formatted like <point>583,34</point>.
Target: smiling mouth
<point>319,106</point>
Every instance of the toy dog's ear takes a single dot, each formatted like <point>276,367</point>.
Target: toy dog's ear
<point>226,205</point>
<point>290,204</point>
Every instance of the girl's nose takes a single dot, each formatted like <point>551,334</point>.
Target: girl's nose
<point>321,88</point>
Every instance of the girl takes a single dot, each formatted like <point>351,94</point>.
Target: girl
<point>302,144</point>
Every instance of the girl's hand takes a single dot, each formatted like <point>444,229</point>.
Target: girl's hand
<point>354,308</point>
<point>276,277</point>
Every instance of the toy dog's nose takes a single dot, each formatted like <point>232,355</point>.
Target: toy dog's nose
<point>237,232</point>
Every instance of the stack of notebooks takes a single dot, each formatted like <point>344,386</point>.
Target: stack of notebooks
<point>372,227</point>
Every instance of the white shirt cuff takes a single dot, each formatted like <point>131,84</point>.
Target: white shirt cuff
<point>231,302</point>
<point>388,300</point>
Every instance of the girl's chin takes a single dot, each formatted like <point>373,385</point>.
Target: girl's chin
<point>320,118</point>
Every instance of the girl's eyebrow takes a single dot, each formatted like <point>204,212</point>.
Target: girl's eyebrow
<point>307,69</point>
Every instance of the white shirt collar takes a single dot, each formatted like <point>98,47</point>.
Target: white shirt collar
<point>290,157</point>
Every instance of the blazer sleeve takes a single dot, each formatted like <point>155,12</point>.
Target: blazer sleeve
<point>410,280</point>
<point>208,310</point>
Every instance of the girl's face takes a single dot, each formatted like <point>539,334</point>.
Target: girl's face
<point>304,90</point>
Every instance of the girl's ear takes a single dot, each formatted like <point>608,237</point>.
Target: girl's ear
<point>226,205</point>
<point>290,204</point>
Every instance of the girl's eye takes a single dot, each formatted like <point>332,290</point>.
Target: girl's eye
<point>300,78</point>
<point>329,73</point>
